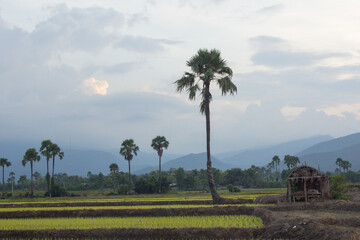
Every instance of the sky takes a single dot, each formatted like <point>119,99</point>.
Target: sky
<point>94,73</point>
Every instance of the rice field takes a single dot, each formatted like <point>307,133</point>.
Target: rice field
<point>13,209</point>
<point>240,221</point>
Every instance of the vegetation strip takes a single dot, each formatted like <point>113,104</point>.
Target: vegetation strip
<point>230,210</point>
<point>226,221</point>
<point>125,207</point>
<point>74,204</point>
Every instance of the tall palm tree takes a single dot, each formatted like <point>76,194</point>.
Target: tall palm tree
<point>128,150</point>
<point>12,178</point>
<point>158,144</point>
<point>31,155</point>
<point>46,152</point>
<point>207,67</point>
<point>4,163</point>
<point>114,169</point>
<point>276,163</point>
<point>55,151</point>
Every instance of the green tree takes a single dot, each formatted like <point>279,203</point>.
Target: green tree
<point>4,163</point>
<point>22,180</point>
<point>114,169</point>
<point>339,162</point>
<point>55,151</point>
<point>45,150</point>
<point>12,179</point>
<point>128,150</point>
<point>291,161</point>
<point>207,66</point>
<point>31,156</point>
<point>346,165</point>
<point>158,144</point>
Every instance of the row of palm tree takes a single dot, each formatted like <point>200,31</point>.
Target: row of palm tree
<point>129,149</point>
<point>48,150</point>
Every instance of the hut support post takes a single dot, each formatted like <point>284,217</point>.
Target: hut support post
<point>305,191</point>
<point>289,190</point>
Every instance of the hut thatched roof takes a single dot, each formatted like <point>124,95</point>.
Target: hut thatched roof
<point>304,172</point>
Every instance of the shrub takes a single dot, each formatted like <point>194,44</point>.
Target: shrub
<point>337,186</point>
<point>123,189</point>
<point>232,188</point>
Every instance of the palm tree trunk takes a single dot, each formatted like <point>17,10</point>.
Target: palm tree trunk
<point>12,185</point>
<point>47,174</point>
<point>3,185</point>
<point>129,178</point>
<point>215,196</point>
<point>159,174</point>
<point>32,184</point>
<point>52,176</point>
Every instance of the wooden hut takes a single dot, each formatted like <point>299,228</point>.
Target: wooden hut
<point>305,182</point>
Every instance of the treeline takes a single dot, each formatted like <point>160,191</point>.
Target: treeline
<point>175,179</point>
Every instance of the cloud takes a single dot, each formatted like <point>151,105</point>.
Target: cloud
<point>271,9</point>
<point>144,44</point>
<point>291,113</point>
<point>340,110</point>
<point>278,53</point>
<point>92,86</point>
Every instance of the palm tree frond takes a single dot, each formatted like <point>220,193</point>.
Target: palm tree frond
<point>227,86</point>
<point>186,81</point>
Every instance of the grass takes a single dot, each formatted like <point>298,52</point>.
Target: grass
<point>15,209</point>
<point>239,221</point>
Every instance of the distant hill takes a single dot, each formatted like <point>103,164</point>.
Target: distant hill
<point>262,156</point>
<point>325,154</point>
<point>190,161</point>
<point>333,145</point>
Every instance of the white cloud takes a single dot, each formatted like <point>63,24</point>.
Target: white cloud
<point>91,86</point>
<point>291,113</point>
<point>341,110</point>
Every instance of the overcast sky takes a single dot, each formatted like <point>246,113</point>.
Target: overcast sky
<point>94,73</point>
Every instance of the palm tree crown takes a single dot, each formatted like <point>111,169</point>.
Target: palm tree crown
<point>114,168</point>
<point>128,149</point>
<point>206,66</point>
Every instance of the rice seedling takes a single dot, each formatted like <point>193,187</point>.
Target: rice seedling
<point>238,221</point>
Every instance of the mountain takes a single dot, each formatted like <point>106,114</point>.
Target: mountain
<point>333,145</point>
<point>324,154</point>
<point>326,160</point>
<point>262,156</point>
<point>190,161</point>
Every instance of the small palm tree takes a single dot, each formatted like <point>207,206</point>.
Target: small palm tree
<point>46,152</point>
<point>55,151</point>
<point>158,144</point>
<point>276,163</point>
<point>207,67</point>
<point>128,150</point>
<point>4,163</point>
<point>12,179</point>
<point>31,155</point>
<point>339,162</point>
<point>22,180</point>
<point>114,169</point>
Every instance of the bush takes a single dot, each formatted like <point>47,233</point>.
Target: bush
<point>57,192</point>
<point>123,189</point>
<point>9,195</point>
<point>232,188</point>
<point>337,186</point>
